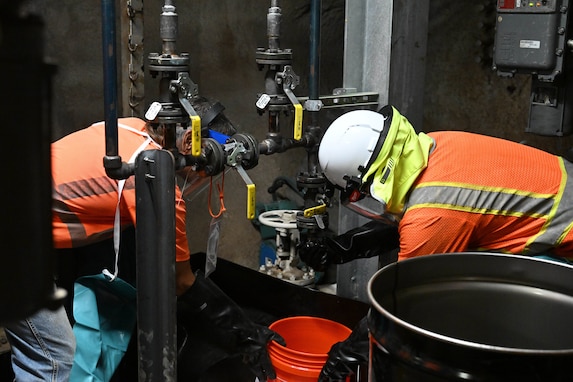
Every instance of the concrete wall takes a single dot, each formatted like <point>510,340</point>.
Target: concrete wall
<point>462,92</point>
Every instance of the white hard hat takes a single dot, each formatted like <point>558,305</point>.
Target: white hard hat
<point>349,144</point>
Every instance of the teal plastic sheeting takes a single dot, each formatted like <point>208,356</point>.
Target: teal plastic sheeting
<point>554,258</point>
<point>105,314</point>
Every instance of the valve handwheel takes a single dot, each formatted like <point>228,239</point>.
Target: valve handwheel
<point>279,218</point>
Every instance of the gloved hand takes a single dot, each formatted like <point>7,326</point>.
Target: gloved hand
<point>207,308</point>
<point>369,240</point>
<point>345,357</point>
<point>314,254</point>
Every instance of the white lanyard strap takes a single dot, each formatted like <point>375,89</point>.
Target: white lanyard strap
<point>120,185</point>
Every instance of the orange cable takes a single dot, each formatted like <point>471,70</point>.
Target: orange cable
<point>220,187</point>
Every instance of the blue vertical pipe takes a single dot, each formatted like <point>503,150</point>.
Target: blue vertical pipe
<point>314,83</point>
<point>109,77</point>
<point>114,167</point>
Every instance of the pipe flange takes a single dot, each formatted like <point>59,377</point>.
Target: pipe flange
<point>311,222</point>
<point>215,157</point>
<point>306,180</point>
<point>250,158</point>
<point>279,57</point>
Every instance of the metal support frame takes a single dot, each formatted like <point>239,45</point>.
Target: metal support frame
<point>367,41</point>
<point>408,59</point>
<point>383,57</point>
<point>367,46</point>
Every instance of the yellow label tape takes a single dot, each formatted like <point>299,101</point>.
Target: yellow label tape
<point>251,199</point>
<point>195,135</point>
<point>298,122</point>
<point>315,211</point>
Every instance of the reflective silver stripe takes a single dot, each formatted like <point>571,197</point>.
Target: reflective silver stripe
<point>85,188</point>
<point>485,201</point>
<point>555,209</point>
<point>75,227</point>
<point>562,217</point>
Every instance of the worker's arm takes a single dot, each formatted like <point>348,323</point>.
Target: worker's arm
<point>207,310</point>
<point>346,356</point>
<point>369,240</point>
<point>184,277</point>
<point>429,231</point>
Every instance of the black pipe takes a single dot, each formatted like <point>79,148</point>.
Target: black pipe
<point>275,143</point>
<point>155,266</point>
<point>112,161</point>
<point>313,130</point>
<point>109,76</point>
<point>314,76</point>
<point>274,26</point>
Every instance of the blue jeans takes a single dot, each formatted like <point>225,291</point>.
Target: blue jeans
<point>43,346</point>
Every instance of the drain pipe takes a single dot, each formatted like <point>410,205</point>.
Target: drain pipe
<point>312,180</point>
<point>313,105</point>
<point>314,75</point>
<point>114,167</point>
<point>155,235</point>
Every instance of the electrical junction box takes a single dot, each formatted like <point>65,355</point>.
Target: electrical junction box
<point>530,37</point>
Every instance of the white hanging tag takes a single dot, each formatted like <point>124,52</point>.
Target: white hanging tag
<point>212,245</point>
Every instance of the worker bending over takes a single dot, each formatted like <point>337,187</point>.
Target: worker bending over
<point>85,202</point>
<point>446,191</point>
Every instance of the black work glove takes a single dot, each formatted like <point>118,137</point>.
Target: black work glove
<point>368,240</point>
<point>206,308</point>
<point>345,357</point>
<point>314,254</point>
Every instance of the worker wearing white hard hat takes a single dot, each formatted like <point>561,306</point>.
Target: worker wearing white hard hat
<point>447,191</point>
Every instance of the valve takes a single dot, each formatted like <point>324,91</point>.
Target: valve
<point>185,89</point>
<point>290,81</point>
<point>242,152</point>
<point>285,265</point>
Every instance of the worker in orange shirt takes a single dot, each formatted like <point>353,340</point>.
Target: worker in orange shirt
<point>442,192</point>
<point>85,206</point>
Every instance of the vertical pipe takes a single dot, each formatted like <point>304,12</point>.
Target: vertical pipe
<point>27,283</point>
<point>314,81</point>
<point>314,76</point>
<point>168,28</point>
<point>274,26</point>
<point>155,235</point>
<point>109,77</point>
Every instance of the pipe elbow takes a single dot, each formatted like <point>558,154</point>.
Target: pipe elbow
<point>116,169</point>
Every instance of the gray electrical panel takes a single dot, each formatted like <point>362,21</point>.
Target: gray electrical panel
<point>531,38</point>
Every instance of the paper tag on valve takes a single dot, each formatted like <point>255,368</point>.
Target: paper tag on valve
<point>212,245</point>
<point>153,111</point>
<point>263,101</point>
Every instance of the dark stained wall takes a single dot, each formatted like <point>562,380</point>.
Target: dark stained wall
<point>461,91</point>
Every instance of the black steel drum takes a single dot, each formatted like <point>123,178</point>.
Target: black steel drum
<point>471,317</point>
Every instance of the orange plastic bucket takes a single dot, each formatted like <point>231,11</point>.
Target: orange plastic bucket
<point>308,340</point>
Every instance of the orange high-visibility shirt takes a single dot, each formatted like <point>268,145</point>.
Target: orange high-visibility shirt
<point>485,193</point>
<point>85,198</point>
